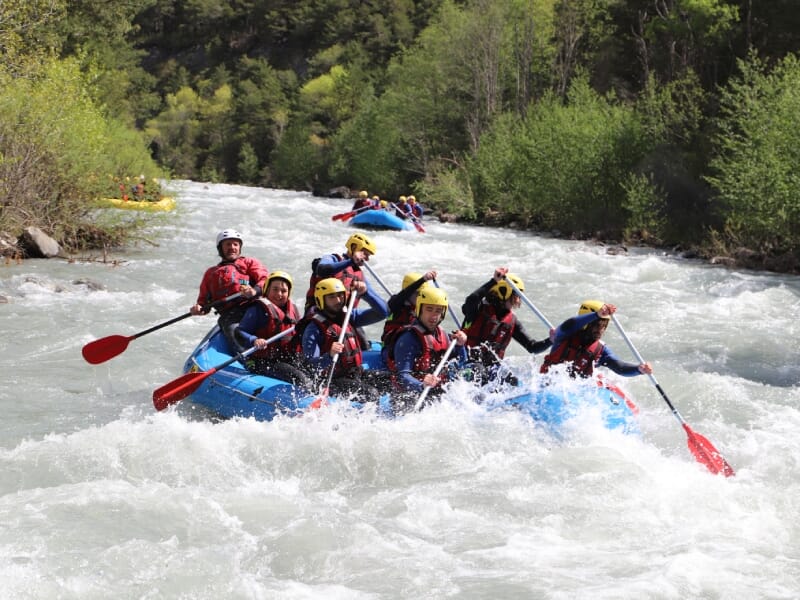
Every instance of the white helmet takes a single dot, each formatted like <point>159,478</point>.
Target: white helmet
<point>229,234</point>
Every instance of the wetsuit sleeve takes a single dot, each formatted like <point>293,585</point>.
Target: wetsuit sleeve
<point>473,302</point>
<point>312,343</point>
<point>531,345</point>
<point>406,351</point>
<point>572,326</point>
<point>329,265</point>
<point>378,309</point>
<point>251,322</point>
<point>397,301</point>
<point>620,367</point>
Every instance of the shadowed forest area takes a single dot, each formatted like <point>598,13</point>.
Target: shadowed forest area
<point>670,123</point>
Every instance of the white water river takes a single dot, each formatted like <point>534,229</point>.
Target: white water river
<point>102,497</point>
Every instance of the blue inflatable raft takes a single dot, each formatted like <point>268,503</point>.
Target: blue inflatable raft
<point>236,392</point>
<point>380,219</point>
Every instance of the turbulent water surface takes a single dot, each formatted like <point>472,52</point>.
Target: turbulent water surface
<point>102,497</point>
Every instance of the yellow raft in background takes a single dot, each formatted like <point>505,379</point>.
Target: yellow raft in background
<point>166,203</point>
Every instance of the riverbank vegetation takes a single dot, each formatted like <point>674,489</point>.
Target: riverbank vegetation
<point>670,122</point>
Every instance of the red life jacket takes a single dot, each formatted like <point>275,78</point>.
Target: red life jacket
<point>228,277</point>
<point>346,276</point>
<point>350,358</point>
<point>434,345</point>
<point>277,321</point>
<point>395,323</point>
<point>488,328</point>
<point>573,351</point>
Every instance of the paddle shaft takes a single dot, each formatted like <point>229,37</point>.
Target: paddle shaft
<point>110,346</point>
<point>206,309</point>
<point>324,393</point>
<point>349,215</point>
<point>450,309</point>
<point>703,450</point>
<point>436,372</point>
<point>376,278</point>
<point>529,304</point>
<point>178,389</point>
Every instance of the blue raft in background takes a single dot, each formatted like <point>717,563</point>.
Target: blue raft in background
<point>380,219</point>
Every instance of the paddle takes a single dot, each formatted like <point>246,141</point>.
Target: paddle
<point>324,392</point>
<point>530,304</point>
<point>185,385</point>
<point>376,278</point>
<point>436,372</point>
<point>703,450</point>
<point>347,215</point>
<point>108,347</point>
<point>450,309</point>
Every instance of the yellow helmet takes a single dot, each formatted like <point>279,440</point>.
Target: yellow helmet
<point>503,290</point>
<point>430,295</point>
<point>362,242</point>
<point>411,199</point>
<point>326,287</point>
<point>384,204</point>
<point>363,194</point>
<point>401,199</point>
<point>410,278</point>
<point>376,198</point>
<point>279,275</point>
<point>588,306</point>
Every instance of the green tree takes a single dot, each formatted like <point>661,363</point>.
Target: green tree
<point>756,153</point>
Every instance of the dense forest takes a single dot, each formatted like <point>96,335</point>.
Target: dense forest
<point>665,122</point>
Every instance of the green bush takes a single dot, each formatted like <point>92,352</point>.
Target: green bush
<point>757,150</point>
<point>58,150</point>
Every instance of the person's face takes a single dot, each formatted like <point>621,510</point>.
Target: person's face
<point>334,303</point>
<point>513,302</point>
<point>597,329</point>
<point>231,249</point>
<point>431,315</point>
<point>278,292</point>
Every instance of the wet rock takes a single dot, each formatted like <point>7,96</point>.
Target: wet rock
<point>92,285</point>
<point>339,192</point>
<point>37,244</point>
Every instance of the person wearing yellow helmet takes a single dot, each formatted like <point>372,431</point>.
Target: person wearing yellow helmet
<point>321,328</point>
<point>415,208</point>
<point>402,306</point>
<point>402,209</point>
<point>491,324</point>
<point>233,274</point>
<point>271,314</point>
<point>362,201</point>
<point>420,347</point>
<point>577,343</point>
<point>346,267</point>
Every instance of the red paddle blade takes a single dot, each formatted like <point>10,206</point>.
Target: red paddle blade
<point>342,216</point>
<point>322,400</point>
<point>105,348</point>
<point>419,227</point>
<point>705,452</point>
<point>178,389</point>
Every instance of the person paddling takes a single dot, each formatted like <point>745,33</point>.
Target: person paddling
<point>577,342</point>
<point>233,274</point>
<point>402,308</point>
<point>321,328</point>
<point>491,324</point>
<point>266,317</point>
<point>419,349</point>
